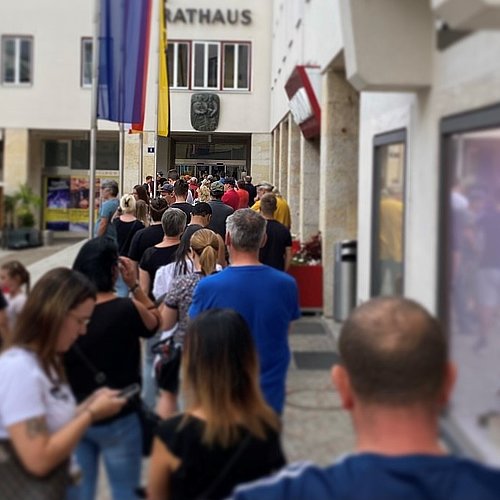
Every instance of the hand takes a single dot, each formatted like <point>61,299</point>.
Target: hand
<point>128,270</point>
<point>105,403</point>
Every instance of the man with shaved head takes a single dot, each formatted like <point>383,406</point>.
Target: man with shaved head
<point>394,378</point>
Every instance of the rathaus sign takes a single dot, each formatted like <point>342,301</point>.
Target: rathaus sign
<point>209,16</point>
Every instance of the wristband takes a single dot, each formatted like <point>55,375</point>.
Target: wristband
<point>134,288</point>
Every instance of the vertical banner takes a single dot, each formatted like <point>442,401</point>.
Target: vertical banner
<point>57,203</point>
<point>123,55</point>
<point>163,90</point>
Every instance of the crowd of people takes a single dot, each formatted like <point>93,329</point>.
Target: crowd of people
<point>183,298</point>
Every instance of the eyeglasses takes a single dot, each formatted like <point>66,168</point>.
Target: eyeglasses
<point>80,321</point>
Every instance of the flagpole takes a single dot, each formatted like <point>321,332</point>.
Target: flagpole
<point>160,2</point>
<point>141,158</point>
<point>93,117</point>
<point>121,158</point>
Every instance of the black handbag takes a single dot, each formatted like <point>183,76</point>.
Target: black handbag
<point>148,419</point>
<point>168,365</point>
<point>17,483</point>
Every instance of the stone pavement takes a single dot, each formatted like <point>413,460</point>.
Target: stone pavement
<point>315,427</point>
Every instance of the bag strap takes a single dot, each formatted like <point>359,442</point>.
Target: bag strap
<point>99,376</point>
<point>225,471</point>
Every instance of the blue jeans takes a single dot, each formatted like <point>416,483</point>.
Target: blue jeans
<point>120,443</point>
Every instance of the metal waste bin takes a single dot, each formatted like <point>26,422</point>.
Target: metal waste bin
<point>344,285</point>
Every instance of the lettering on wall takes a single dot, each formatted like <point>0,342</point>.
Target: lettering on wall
<point>209,16</point>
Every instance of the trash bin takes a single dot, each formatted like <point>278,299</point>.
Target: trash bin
<point>344,285</point>
<point>48,237</point>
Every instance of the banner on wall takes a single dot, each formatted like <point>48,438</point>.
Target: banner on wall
<point>57,203</point>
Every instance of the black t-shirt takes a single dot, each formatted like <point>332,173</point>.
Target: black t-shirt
<point>252,193</point>
<point>186,207</point>
<point>154,258</point>
<point>220,212</point>
<point>144,239</point>
<point>125,231</point>
<point>201,465</point>
<point>278,239</point>
<point>112,345</point>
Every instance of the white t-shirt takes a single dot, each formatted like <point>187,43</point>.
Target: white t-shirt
<point>26,392</point>
<point>14,306</point>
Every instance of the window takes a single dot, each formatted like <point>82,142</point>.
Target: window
<point>388,210</point>
<point>236,66</point>
<point>17,60</point>
<point>107,155</point>
<point>56,154</point>
<point>86,63</point>
<point>205,65</point>
<point>178,64</point>
<point>470,272</point>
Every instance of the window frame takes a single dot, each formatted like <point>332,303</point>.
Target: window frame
<point>380,140</point>
<point>68,153</point>
<point>17,60</point>
<point>206,44</point>
<point>480,119</point>
<point>236,44</point>
<point>83,41</point>
<point>175,65</point>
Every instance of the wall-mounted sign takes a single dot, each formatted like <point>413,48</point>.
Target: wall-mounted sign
<point>151,149</point>
<point>209,16</point>
<point>303,90</point>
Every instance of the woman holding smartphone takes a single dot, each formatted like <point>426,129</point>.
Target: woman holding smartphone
<point>40,424</point>
<point>111,352</point>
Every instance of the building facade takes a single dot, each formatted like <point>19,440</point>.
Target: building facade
<point>45,98</point>
<point>405,162</point>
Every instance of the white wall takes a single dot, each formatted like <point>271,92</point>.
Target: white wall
<point>304,33</point>
<point>239,111</point>
<point>466,76</point>
<point>55,99</point>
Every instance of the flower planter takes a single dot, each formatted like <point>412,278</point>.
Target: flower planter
<point>310,283</point>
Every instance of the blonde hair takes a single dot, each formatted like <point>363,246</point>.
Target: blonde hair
<point>127,204</point>
<point>205,244</point>
<point>142,212</point>
<point>220,374</point>
<point>204,192</point>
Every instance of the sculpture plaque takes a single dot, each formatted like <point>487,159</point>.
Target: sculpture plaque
<point>205,111</point>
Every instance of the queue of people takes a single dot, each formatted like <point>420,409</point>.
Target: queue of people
<point>76,354</point>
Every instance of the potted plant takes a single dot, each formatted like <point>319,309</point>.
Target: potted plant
<point>307,270</point>
<point>21,208</point>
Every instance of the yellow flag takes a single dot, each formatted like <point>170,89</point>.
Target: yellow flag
<point>163,92</point>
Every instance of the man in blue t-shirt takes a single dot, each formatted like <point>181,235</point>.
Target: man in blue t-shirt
<point>268,309</point>
<point>109,205</point>
<point>394,379</point>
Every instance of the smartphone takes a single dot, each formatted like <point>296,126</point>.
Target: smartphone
<point>159,301</point>
<point>130,391</point>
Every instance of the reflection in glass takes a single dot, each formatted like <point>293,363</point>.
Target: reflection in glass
<point>182,65</point>
<point>9,61</point>
<point>242,66</point>
<point>25,76</point>
<point>387,266</point>
<point>213,65</point>
<point>228,66</point>
<point>199,64</point>
<point>473,243</point>
<point>170,64</point>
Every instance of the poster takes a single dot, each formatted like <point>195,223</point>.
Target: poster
<point>57,203</point>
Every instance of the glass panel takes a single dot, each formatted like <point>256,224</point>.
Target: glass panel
<point>56,154</point>
<point>213,65</point>
<point>199,62</point>
<point>170,65</point>
<point>243,67</point>
<point>211,150</point>
<point>80,155</point>
<point>182,65</point>
<point>387,266</point>
<point>87,63</point>
<point>473,243</point>
<point>107,155</point>
<point>228,66</point>
<point>9,60</point>
<point>25,73</point>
